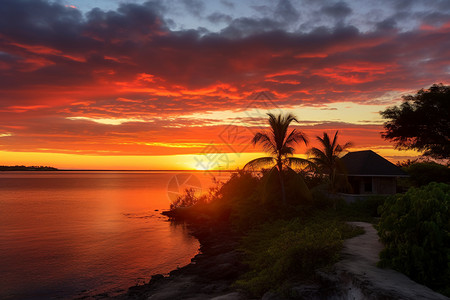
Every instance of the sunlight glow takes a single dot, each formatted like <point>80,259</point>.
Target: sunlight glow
<point>118,121</point>
<point>169,145</point>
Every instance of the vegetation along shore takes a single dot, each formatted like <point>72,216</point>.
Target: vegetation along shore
<point>286,232</point>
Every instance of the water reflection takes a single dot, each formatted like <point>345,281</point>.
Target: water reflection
<point>64,234</point>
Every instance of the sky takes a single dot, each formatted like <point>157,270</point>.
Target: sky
<point>185,84</point>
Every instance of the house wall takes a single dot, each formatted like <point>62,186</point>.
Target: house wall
<point>384,185</point>
<point>363,185</point>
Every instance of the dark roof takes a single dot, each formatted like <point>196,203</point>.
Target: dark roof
<point>366,163</point>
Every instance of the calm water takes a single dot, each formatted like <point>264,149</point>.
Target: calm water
<point>71,234</point>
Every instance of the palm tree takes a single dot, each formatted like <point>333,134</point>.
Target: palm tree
<point>279,144</point>
<point>328,158</point>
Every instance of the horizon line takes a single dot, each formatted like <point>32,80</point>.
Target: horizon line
<point>134,170</point>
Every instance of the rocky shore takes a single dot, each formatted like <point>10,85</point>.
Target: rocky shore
<point>209,275</point>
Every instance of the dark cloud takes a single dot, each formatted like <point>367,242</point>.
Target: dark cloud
<point>286,12</point>
<point>436,19</point>
<point>403,4</point>
<point>195,7</point>
<point>37,22</point>
<point>227,3</point>
<point>263,10</point>
<point>444,5</point>
<point>128,64</point>
<point>219,18</point>
<point>244,27</point>
<point>387,24</point>
<point>338,10</point>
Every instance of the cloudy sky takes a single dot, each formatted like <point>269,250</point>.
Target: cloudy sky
<point>185,83</point>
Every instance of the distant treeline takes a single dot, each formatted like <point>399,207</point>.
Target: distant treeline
<point>27,168</point>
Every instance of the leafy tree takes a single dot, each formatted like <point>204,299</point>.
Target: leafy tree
<point>327,159</point>
<point>279,144</point>
<point>422,173</point>
<point>421,122</point>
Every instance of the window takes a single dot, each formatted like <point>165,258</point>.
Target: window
<point>368,184</point>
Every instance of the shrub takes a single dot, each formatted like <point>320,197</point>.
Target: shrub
<point>321,197</point>
<point>425,172</point>
<point>364,210</point>
<point>263,203</point>
<point>415,229</point>
<point>217,204</point>
<point>290,249</point>
<point>187,199</point>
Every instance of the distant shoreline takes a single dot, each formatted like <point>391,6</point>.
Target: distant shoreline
<point>27,168</point>
<point>8,168</point>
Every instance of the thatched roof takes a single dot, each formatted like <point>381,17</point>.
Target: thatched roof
<point>368,163</point>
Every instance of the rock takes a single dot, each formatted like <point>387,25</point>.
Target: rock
<point>222,271</point>
<point>155,278</point>
<point>272,296</point>
<point>230,296</point>
<point>307,291</point>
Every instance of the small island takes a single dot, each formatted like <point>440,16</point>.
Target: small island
<point>27,168</point>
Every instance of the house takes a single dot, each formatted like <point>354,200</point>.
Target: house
<point>369,173</point>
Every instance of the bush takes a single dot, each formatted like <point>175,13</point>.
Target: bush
<point>415,229</point>
<point>322,198</point>
<point>363,210</point>
<point>284,250</point>
<point>264,203</point>
<point>425,172</point>
<point>187,199</point>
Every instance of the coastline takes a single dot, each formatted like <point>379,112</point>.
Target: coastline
<point>209,275</point>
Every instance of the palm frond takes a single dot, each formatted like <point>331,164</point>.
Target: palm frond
<point>265,140</point>
<point>296,136</point>
<point>286,151</point>
<point>259,163</point>
<point>279,126</point>
<point>334,143</point>
<point>297,162</point>
<point>316,153</point>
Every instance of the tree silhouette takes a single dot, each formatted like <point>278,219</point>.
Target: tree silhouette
<point>280,145</point>
<point>327,159</point>
<point>421,122</point>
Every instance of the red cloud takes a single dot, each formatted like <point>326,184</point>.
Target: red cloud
<point>128,64</point>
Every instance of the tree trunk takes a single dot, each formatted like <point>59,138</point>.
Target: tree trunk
<point>280,174</point>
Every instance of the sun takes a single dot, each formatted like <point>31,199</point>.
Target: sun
<point>200,167</point>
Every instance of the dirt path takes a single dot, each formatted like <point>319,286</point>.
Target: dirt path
<point>365,281</point>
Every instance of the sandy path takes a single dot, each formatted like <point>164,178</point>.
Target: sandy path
<point>365,281</point>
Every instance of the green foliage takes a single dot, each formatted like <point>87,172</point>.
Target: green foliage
<point>279,143</point>
<point>321,197</point>
<point>264,204</point>
<point>187,199</point>
<point>291,249</point>
<point>415,229</point>
<point>218,203</point>
<point>425,172</point>
<point>295,187</point>
<point>328,160</point>
<point>364,210</point>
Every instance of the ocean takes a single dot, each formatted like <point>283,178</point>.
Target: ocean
<point>70,234</point>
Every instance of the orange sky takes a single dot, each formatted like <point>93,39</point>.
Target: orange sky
<point>136,88</point>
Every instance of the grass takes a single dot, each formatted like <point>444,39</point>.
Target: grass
<point>365,210</point>
<point>291,250</point>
